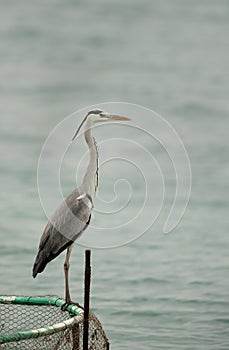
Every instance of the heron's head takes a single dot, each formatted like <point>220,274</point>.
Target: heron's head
<point>101,116</point>
<point>97,116</point>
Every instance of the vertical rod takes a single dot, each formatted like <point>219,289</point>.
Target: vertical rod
<point>87,281</point>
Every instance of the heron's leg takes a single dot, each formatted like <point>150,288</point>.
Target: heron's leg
<point>67,292</point>
<point>66,268</point>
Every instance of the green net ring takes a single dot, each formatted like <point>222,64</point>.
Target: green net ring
<point>76,316</point>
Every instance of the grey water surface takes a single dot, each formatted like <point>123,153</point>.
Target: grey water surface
<point>161,291</point>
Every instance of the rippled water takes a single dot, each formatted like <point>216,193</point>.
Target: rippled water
<point>161,291</point>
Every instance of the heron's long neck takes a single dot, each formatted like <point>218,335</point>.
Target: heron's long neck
<point>90,181</point>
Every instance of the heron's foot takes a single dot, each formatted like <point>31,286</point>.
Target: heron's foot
<point>70,302</point>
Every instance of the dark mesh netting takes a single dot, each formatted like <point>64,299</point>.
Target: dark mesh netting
<point>40,323</point>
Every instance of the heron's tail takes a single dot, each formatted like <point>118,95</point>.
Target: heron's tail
<point>46,254</point>
<point>51,245</point>
<point>39,264</point>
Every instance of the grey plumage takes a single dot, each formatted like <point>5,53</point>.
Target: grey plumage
<point>60,232</point>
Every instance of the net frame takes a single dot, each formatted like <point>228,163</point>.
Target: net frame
<point>76,316</point>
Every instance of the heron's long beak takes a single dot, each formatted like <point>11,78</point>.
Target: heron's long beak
<point>118,117</point>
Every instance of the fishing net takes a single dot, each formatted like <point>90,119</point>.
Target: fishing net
<point>43,323</point>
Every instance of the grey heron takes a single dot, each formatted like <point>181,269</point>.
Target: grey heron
<point>73,215</point>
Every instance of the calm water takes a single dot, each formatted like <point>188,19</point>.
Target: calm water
<point>161,291</point>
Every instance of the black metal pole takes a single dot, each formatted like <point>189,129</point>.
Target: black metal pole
<point>87,281</point>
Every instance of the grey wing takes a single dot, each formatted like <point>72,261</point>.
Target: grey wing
<point>65,226</point>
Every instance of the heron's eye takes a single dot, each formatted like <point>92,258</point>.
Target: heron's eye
<point>102,115</point>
